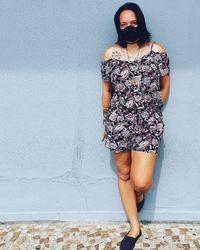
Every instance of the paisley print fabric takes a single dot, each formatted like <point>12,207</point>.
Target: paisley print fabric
<point>135,119</point>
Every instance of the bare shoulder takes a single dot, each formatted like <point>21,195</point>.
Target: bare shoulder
<point>112,52</point>
<point>157,47</point>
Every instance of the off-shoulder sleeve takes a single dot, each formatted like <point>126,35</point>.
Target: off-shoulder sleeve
<point>163,63</point>
<point>106,68</point>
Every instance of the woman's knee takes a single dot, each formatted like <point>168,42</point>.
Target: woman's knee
<point>142,185</point>
<point>123,172</point>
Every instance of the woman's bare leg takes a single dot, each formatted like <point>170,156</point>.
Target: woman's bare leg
<point>142,168</point>
<point>127,193</point>
<point>135,176</point>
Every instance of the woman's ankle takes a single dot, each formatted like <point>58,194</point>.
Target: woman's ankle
<point>135,227</point>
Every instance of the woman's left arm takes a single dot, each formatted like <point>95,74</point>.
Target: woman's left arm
<point>164,87</point>
<point>164,70</point>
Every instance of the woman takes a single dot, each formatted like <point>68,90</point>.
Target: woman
<point>136,81</point>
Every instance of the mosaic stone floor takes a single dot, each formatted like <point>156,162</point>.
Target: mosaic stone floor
<point>67,235</point>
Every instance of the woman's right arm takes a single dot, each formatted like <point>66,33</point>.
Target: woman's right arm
<point>106,85</point>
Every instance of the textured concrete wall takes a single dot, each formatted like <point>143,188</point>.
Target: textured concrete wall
<point>53,164</point>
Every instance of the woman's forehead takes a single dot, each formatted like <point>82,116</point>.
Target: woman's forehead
<point>127,15</point>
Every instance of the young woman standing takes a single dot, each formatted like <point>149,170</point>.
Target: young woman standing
<point>136,82</point>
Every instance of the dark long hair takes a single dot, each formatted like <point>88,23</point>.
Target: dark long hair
<point>144,34</point>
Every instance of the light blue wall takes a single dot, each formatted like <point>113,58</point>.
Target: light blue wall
<point>53,164</point>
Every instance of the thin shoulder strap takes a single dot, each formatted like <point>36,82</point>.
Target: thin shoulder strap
<point>152,45</point>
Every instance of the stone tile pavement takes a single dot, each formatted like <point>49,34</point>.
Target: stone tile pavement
<point>61,235</point>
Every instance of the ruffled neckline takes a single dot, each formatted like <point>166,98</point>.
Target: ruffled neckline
<point>164,53</point>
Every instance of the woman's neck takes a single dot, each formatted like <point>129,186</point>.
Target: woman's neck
<point>132,46</point>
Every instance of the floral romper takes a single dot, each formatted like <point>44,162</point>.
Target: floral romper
<point>135,119</point>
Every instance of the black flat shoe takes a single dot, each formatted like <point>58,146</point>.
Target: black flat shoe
<point>140,204</point>
<point>128,242</point>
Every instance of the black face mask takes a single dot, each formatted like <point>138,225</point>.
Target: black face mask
<point>130,33</point>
